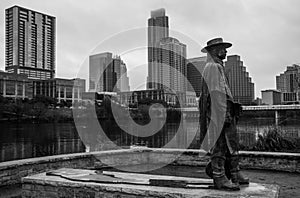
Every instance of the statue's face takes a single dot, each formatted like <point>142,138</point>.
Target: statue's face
<point>222,53</point>
<point>219,52</point>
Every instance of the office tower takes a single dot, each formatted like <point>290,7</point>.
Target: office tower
<point>158,28</point>
<point>107,73</point>
<point>288,83</point>
<point>240,82</point>
<point>30,43</point>
<point>289,80</point>
<point>124,80</point>
<point>195,67</point>
<point>119,79</point>
<point>166,56</point>
<point>97,76</point>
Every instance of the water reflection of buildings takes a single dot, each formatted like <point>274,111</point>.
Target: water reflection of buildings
<point>171,135</point>
<point>27,141</point>
<point>32,140</point>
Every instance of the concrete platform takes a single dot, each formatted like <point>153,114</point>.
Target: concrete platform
<point>42,185</point>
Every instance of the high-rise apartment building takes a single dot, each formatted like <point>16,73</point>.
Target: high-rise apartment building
<point>107,73</point>
<point>166,56</point>
<point>240,82</point>
<point>195,67</point>
<point>30,43</point>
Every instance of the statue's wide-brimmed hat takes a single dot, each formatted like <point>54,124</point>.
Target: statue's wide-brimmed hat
<point>216,42</point>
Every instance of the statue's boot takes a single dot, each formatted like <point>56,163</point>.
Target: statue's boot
<point>236,176</point>
<point>220,180</point>
<point>209,170</point>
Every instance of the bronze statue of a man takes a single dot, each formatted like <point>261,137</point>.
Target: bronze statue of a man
<point>218,117</point>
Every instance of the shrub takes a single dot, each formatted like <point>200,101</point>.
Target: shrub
<point>274,140</point>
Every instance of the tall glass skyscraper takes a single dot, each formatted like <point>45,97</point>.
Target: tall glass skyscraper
<point>166,55</point>
<point>158,28</point>
<point>30,43</point>
<point>107,73</point>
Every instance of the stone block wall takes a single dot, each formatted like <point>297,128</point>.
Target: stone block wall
<point>11,172</point>
<point>37,191</point>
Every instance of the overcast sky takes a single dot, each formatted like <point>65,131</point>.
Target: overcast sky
<point>265,33</point>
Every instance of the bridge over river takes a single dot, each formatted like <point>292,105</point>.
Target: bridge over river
<point>280,110</point>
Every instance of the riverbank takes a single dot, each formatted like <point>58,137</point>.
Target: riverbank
<point>49,116</point>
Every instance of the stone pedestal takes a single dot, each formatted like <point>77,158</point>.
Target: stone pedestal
<point>42,185</point>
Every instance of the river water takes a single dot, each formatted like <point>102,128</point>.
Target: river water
<point>26,140</point>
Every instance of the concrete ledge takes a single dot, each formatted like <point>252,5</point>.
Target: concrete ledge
<point>11,172</point>
<point>289,162</point>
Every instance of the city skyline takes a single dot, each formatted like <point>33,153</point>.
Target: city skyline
<point>263,33</point>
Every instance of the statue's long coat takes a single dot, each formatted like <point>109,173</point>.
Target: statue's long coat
<point>216,102</point>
